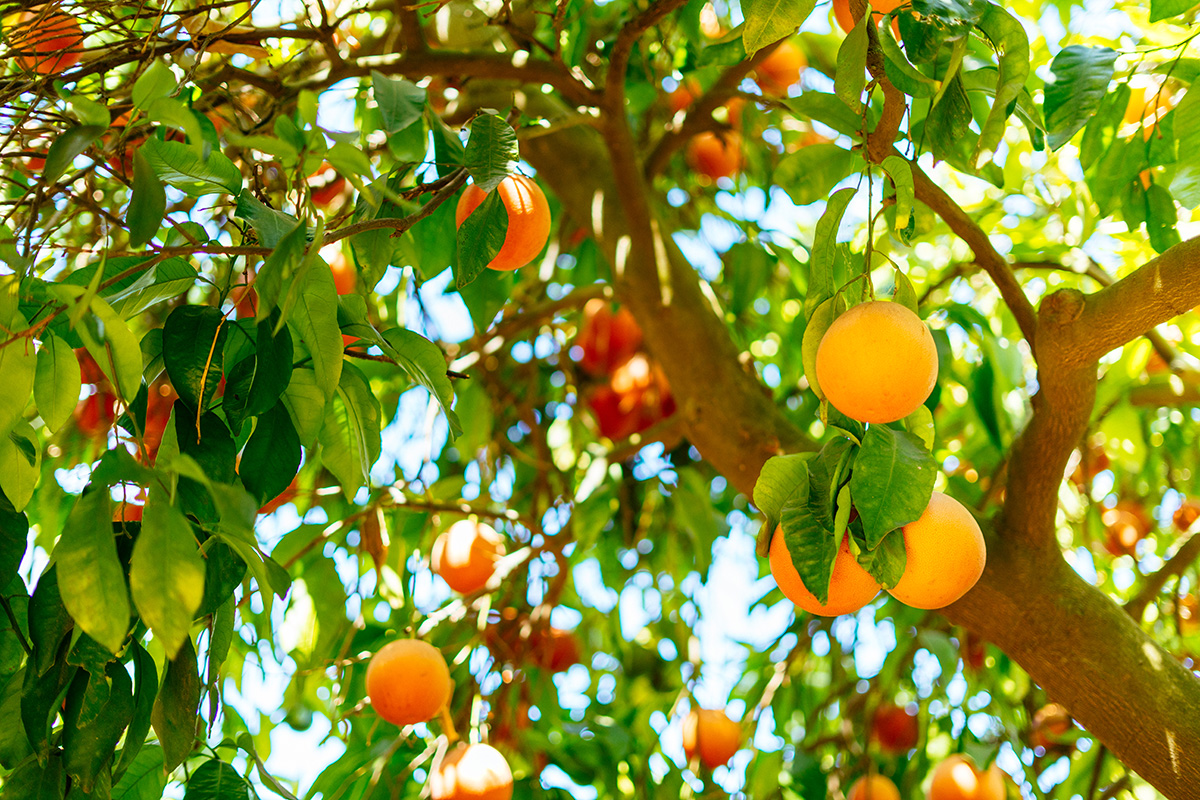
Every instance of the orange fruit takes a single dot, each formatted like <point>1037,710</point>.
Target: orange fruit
<point>713,735</point>
<point>556,650</point>
<point>1125,525</point>
<point>48,43</point>
<point>715,156</point>
<point>636,397</point>
<point>684,95</point>
<point>607,339</point>
<point>877,362</point>
<point>946,555</point>
<point>325,185</point>
<point>873,787</point>
<point>956,778</point>
<point>465,555</point>
<point>1189,615</point>
<point>1186,515</point>
<point>345,277</point>
<point>850,588</point>
<point>1050,723</point>
<point>472,772</point>
<point>895,729</point>
<point>845,19</point>
<point>528,219</point>
<point>781,70</point>
<point>408,682</point>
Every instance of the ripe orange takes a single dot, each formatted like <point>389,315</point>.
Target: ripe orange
<point>845,19</point>
<point>715,156</point>
<point>1148,104</point>
<point>1050,723</point>
<point>781,70</point>
<point>408,682</point>
<point>877,362</point>
<point>713,735</point>
<point>1125,525</point>
<point>472,772</point>
<point>528,219</point>
<point>1186,515</point>
<point>556,650</point>
<point>684,95</point>
<point>946,555</point>
<point>636,397</point>
<point>957,778</point>
<point>607,339</point>
<point>48,43</point>
<point>873,787</point>
<point>345,277</point>
<point>895,729</point>
<point>465,555</point>
<point>851,587</point>
<point>326,184</point>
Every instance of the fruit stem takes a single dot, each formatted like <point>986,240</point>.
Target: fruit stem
<point>448,726</point>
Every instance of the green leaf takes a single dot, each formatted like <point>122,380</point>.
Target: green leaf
<point>157,81</point>
<point>892,481</point>
<point>14,744</point>
<point>305,402</point>
<point>768,21</point>
<point>145,675</point>
<point>148,205</point>
<point>69,144</point>
<point>905,295</point>
<point>1008,37</point>
<point>186,170</point>
<point>314,324</point>
<point>193,349</point>
<point>829,110</point>
<point>1101,132</point>
<point>49,622</point>
<point>20,464</point>
<point>900,171</point>
<point>810,173</point>
<point>851,76</point>
<point>270,225</point>
<point>491,154</point>
<point>176,707</point>
<point>480,238</point>
<point>400,102</point>
<point>779,481</point>
<point>90,576</point>
<point>1080,81</point>
<point>216,780</point>
<point>111,343</point>
<point>256,382</point>
<point>1165,9</point>
<point>18,371</point>
<point>887,561</point>
<point>14,540</point>
<point>91,735</point>
<point>448,150</point>
<point>272,455</point>
<point>279,270</point>
<point>821,284</point>
<point>163,281</point>
<point>426,364</point>
<point>350,438</point>
<point>1161,218</point>
<point>166,574</point>
<point>144,779</point>
<point>818,323</point>
<point>900,70</point>
<point>812,547</point>
<point>32,781</point>
<point>920,424</point>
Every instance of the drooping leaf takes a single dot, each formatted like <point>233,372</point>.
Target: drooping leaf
<point>425,364</point>
<point>350,438</point>
<point>156,81</point>
<point>892,481</point>
<point>479,239</point>
<point>1081,77</point>
<point>820,267</point>
<point>90,576</point>
<point>770,20</point>
<point>780,479</point>
<point>216,780</point>
<point>314,324</point>
<point>491,153</point>
<point>812,547</point>
<point>272,455</point>
<point>166,574</point>
<point>810,173</point>
<point>176,707</point>
<point>148,205</point>
<point>270,225</point>
<point>305,401</point>
<point>163,281</point>
<point>89,740</point>
<point>145,675</point>
<point>1011,43</point>
<point>193,349</point>
<point>18,371</point>
<point>69,144</point>
<point>56,381</point>
<point>400,102</point>
<point>20,464</point>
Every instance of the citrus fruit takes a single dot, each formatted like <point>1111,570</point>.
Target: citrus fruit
<point>465,555</point>
<point>873,787</point>
<point>715,156</point>
<point>711,734</point>
<point>781,70</point>
<point>528,219</point>
<point>845,18</point>
<point>850,588</point>
<point>48,42</point>
<point>946,555</point>
<point>957,778</point>
<point>472,772</point>
<point>607,339</point>
<point>877,362</point>
<point>408,682</point>
<point>325,185</point>
<point>894,729</point>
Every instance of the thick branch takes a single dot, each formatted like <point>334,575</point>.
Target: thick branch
<point>1162,288</point>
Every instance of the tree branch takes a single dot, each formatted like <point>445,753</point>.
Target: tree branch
<point>1188,552</point>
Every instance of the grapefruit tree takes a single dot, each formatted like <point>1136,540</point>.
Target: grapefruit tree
<point>833,367</point>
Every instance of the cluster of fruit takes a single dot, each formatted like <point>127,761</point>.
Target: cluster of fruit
<point>877,363</point>
<point>631,392</point>
<point>408,680</point>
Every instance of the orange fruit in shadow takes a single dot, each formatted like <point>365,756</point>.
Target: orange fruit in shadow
<point>715,156</point>
<point>556,650</point>
<point>845,18</point>
<point>712,735</point>
<point>850,588</point>
<point>877,362</point>
<point>607,339</point>
<point>465,555</point>
<point>946,555</point>
<point>325,185</point>
<point>47,43</point>
<point>636,397</point>
<point>873,787</point>
<point>895,729</point>
<point>1125,525</point>
<point>472,772</point>
<point>528,219</point>
<point>781,70</point>
<point>1186,515</point>
<point>345,277</point>
<point>684,95</point>
<point>408,682</point>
